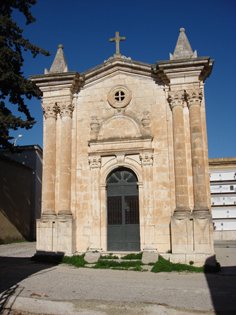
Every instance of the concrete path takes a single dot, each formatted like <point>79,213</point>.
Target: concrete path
<point>48,289</point>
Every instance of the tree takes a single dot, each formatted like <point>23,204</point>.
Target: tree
<point>14,87</point>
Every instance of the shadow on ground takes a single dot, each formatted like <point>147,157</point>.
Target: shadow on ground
<point>12,271</point>
<point>222,286</point>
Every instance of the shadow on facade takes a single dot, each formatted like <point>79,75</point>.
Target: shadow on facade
<point>222,287</point>
<point>13,271</point>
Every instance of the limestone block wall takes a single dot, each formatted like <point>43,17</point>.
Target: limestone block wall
<point>156,197</point>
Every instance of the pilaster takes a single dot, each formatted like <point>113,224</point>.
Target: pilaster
<point>146,159</point>
<point>95,165</point>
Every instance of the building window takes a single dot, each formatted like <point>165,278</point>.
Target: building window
<point>232,187</point>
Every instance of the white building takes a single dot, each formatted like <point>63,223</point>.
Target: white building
<point>223,197</point>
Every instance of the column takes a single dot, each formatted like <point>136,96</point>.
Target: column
<point>49,159</point>
<point>95,165</point>
<point>194,98</point>
<point>176,100</point>
<point>66,110</point>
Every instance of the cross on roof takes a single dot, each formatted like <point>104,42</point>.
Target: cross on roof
<point>117,39</point>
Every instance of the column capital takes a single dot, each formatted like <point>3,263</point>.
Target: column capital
<point>176,98</point>
<point>66,109</point>
<point>194,97</point>
<point>95,161</point>
<point>146,158</point>
<point>50,110</point>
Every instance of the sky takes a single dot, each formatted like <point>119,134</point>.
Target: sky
<point>151,28</point>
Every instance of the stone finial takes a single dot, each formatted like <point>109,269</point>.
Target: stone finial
<point>59,64</point>
<point>183,48</point>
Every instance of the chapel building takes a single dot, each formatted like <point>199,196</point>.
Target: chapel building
<point>125,157</point>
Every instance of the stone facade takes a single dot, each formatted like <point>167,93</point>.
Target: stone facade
<point>149,119</point>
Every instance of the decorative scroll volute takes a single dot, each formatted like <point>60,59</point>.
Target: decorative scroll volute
<point>194,97</point>
<point>176,98</point>
<point>66,109</point>
<point>146,158</point>
<point>50,110</point>
<point>95,161</point>
<point>146,121</point>
<point>94,125</point>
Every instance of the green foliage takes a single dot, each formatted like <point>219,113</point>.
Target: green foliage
<point>14,87</point>
<point>164,265</point>
<point>133,256</point>
<point>107,264</point>
<point>76,260</point>
<point>191,262</point>
<point>110,256</point>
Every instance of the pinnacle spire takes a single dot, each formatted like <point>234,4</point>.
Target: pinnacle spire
<point>59,64</point>
<point>183,48</point>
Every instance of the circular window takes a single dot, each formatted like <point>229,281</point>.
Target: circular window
<point>119,97</point>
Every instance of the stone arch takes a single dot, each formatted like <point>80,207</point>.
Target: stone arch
<point>109,169</point>
<point>119,126</point>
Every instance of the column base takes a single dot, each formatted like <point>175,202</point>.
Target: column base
<point>201,210</point>
<point>192,233</point>
<point>183,211</point>
<point>55,235</point>
<point>64,212</point>
<point>49,213</point>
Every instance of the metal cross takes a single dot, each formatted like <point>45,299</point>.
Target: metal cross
<point>117,39</point>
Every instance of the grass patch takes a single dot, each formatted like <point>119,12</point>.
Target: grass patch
<point>110,256</point>
<point>76,260</point>
<point>106,264</point>
<point>133,256</point>
<point>164,265</point>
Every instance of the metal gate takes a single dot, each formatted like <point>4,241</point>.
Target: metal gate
<point>123,211</point>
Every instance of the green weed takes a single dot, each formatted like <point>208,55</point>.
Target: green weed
<point>133,256</point>
<point>110,256</point>
<point>164,265</point>
<point>107,264</point>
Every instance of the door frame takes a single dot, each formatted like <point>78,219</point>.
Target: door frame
<point>124,189</point>
<point>136,168</point>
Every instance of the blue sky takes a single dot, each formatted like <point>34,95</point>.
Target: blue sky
<point>151,29</point>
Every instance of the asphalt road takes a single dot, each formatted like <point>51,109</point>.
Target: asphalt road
<point>38,288</point>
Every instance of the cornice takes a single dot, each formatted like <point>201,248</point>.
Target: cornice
<point>56,80</point>
<point>180,67</point>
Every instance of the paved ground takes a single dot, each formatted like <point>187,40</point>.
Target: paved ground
<point>33,288</point>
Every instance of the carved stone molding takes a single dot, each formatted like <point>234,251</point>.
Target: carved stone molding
<point>176,98</point>
<point>66,109</point>
<point>95,161</point>
<point>146,121</point>
<point>194,97</point>
<point>146,158</point>
<point>50,110</point>
<point>94,125</point>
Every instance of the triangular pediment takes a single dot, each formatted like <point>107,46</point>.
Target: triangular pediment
<point>115,65</point>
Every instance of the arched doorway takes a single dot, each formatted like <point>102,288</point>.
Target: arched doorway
<point>123,232</point>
